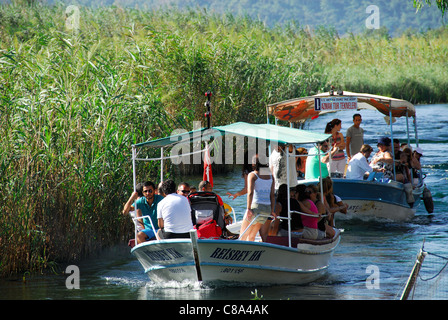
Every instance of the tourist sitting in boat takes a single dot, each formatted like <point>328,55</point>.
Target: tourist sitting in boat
<point>315,196</point>
<point>383,159</point>
<point>413,162</point>
<point>205,185</point>
<point>312,163</point>
<point>260,201</point>
<point>332,202</point>
<point>173,213</point>
<point>310,222</point>
<point>358,167</point>
<point>416,165</point>
<point>137,194</point>
<point>201,200</point>
<point>402,172</point>
<point>183,189</point>
<point>147,206</point>
<point>159,189</point>
<point>281,210</point>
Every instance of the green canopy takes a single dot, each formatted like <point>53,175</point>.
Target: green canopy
<point>268,132</point>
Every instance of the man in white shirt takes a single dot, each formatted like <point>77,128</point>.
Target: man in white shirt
<point>173,213</point>
<point>358,165</point>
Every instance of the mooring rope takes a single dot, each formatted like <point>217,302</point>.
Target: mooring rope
<point>438,273</point>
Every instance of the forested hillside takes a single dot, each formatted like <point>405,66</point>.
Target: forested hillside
<point>345,16</point>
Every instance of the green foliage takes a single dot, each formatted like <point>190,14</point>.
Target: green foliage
<point>72,102</point>
<point>441,4</point>
<point>343,15</point>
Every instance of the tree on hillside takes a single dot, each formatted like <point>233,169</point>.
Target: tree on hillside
<point>441,4</point>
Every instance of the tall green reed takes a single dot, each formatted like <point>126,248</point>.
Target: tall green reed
<point>72,104</point>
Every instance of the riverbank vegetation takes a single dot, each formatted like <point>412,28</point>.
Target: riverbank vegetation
<point>73,101</point>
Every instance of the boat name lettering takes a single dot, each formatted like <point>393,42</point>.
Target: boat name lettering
<point>236,255</point>
<point>164,255</point>
<point>335,103</point>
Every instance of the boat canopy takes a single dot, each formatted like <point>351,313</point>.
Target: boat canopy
<point>268,132</point>
<point>304,108</point>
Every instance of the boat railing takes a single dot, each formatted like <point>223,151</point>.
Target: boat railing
<point>310,215</point>
<point>136,224</point>
<point>252,222</point>
<point>303,214</point>
<point>281,218</point>
<point>227,208</point>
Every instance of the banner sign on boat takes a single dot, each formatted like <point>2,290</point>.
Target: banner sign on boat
<point>335,103</point>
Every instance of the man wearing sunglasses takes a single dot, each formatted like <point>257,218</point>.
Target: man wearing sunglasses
<point>183,189</point>
<point>147,206</point>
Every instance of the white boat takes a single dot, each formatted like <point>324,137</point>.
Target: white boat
<point>279,260</point>
<point>376,198</point>
<point>236,261</point>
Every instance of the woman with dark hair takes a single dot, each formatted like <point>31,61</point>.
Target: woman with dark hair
<point>315,196</point>
<point>260,201</point>
<point>281,209</point>
<point>338,161</point>
<point>384,159</point>
<point>310,222</point>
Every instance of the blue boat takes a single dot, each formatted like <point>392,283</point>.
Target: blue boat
<point>377,197</point>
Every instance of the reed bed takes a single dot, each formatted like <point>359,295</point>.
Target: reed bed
<point>72,103</point>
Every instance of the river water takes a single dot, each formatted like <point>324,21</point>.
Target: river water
<point>373,261</point>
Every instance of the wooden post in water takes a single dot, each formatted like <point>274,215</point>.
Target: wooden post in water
<point>194,247</point>
<point>413,276</point>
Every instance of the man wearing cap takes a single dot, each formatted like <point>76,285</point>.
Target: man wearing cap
<point>358,165</point>
<point>418,153</point>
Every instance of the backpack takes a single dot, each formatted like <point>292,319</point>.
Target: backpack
<point>209,230</point>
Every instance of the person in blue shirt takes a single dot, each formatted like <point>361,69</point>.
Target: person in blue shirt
<point>147,206</point>
<point>312,162</point>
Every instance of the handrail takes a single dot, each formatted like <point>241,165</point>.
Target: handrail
<point>310,215</point>
<point>252,222</point>
<point>135,224</point>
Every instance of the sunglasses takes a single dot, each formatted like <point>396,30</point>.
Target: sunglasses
<point>148,191</point>
<point>185,191</point>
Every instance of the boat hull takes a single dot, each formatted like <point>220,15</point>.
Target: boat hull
<point>234,261</point>
<point>266,263</point>
<point>371,199</point>
<point>167,260</point>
